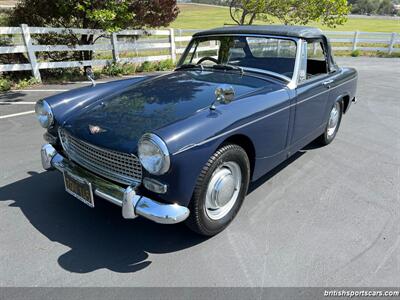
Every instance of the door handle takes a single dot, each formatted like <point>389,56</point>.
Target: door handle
<point>328,83</point>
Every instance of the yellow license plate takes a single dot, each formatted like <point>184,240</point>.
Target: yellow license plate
<point>79,188</point>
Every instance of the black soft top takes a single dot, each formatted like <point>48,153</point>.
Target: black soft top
<point>306,32</point>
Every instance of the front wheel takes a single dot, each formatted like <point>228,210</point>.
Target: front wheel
<point>220,190</point>
<point>332,126</point>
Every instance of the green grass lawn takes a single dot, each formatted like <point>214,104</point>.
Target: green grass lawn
<point>201,17</point>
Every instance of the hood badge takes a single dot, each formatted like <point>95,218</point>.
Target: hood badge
<point>94,129</point>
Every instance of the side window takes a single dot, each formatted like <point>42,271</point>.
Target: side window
<point>316,59</point>
<point>315,50</point>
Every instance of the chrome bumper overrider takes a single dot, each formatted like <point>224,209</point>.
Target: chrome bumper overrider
<point>132,204</point>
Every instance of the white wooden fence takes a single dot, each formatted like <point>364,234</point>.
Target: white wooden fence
<point>173,41</point>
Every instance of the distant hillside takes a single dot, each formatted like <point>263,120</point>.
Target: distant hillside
<point>211,2</point>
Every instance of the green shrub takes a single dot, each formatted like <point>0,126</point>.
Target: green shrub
<point>387,55</point>
<point>26,82</point>
<point>147,66</point>
<point>355,53</point>
<point>113,69</point>
<point>62,75</point>
<point>118,69</point>
<point>5,84</point>
<point>165,65</point>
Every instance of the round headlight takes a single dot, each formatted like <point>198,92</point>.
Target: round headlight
<point>44,114</point>
<point>153,154</point>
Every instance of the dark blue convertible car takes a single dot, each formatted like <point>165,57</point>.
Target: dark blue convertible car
<point>183,146</point>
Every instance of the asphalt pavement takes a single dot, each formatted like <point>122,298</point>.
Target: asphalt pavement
<point>329,216</point>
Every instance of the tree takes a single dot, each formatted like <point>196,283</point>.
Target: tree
<point>385,7</point>
<point>109,15</point>
<point>365,7</point>
<point>328,12</point>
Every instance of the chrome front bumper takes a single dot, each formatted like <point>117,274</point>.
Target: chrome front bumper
<point>132,204</point>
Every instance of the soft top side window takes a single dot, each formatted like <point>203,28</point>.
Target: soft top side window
<point>315,62</point>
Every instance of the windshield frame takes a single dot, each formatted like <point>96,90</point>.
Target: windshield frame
<point>291,82</point>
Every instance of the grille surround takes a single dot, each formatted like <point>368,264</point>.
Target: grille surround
<point>120,167</point>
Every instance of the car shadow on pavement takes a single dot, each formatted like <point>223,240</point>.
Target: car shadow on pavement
<point>98,238</point>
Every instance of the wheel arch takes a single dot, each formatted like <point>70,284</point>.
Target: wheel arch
<point>246,143</point>
<point>345,102</point>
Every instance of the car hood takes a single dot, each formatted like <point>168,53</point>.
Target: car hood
<point>125,115</point>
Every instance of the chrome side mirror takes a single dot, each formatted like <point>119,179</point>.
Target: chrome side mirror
<point>90,75</point>
<point>224,94</point>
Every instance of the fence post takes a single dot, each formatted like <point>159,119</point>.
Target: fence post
<point>172,42</point>
<point>115,51</point>
<point>31,54</point>
<point>180,35</point>
<point>391,44</point>
<point>355,40</point>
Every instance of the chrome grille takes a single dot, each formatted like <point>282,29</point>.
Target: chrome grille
<point>120,167</point>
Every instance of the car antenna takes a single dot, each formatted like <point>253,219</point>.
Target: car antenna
<point>90,76</point>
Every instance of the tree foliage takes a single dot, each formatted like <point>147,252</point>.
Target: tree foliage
<point>109,15</point>
<point>328,12</point>
<point>381,7</point>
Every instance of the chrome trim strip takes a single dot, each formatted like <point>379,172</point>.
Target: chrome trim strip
<point>187,147</point>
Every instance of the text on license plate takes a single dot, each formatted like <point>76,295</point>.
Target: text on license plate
<point>79,188</point>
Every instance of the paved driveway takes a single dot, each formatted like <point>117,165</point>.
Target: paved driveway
<point>328,217</point>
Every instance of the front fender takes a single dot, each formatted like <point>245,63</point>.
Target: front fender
<point>185,169</point>
<point>193,141</point>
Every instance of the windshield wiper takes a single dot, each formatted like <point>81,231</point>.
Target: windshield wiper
<point>228,67</point>
<point>189,66</point>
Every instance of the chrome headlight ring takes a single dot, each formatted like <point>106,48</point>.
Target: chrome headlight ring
<point>153,154</point>
<point>44,114</point>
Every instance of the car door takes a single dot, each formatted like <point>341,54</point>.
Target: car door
<point>312,92</point>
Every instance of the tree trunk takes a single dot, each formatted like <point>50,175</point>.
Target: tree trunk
<point>243,17</point>
<point>253,16</point>
<point>232,8</point>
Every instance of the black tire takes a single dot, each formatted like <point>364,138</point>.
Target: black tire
<point>198,220</point>
<point>325,139</point>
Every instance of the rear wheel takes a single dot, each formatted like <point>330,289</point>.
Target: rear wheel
<point>332,126</point>
<point>220,190</point>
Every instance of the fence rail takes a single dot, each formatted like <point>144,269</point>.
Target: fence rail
<point>171,40</point>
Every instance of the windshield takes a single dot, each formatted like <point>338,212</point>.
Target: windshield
<point>269,54</point>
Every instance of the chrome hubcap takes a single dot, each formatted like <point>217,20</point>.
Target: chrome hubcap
<point>223,190</point>
<point>333,119</point>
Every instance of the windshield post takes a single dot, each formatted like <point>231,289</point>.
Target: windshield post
<point>293,82</point>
